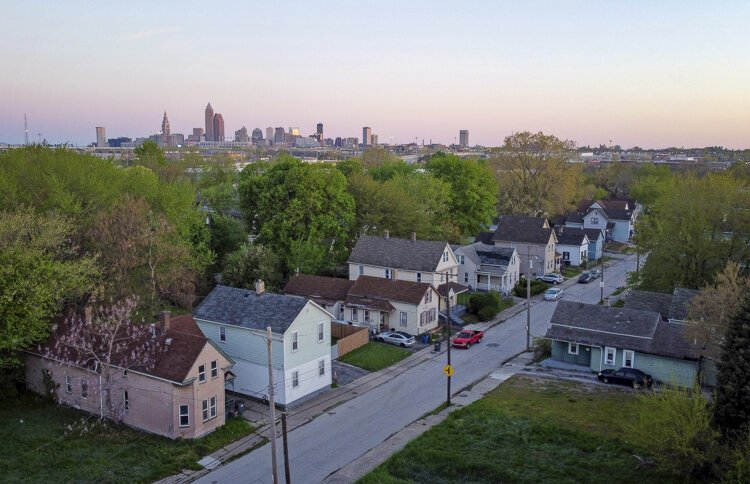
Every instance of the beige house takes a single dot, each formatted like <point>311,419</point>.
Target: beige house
<point>182,396</point>
<point>533,239</point>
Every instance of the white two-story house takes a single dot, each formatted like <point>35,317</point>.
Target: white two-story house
<point>236,320</point>
<point>573,244</point>
<point>533,239</point>
<point>615,218</point>
<point>484,267</point>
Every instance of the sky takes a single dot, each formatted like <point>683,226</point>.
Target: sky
<point>636,73</point>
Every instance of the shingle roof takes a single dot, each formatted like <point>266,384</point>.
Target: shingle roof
<point>570,236</point>
<point>443,288</point>
<point>680,301</point>
<point>594,234</point>
<point>484,238</point>
<point>388,289</point>
<point>649,301</point>
<point>330,289</point>
<point>415,255</point>
<point>642,331</point>
<point>615,214</point>
<point>244,308</point>
<point>522,229</point>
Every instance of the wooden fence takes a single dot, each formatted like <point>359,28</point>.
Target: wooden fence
<point>349,337</point>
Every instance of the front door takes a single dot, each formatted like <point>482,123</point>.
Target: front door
<point>383,321</point>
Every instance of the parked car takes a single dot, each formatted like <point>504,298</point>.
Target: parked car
<point>585,278</point>
<point>467,337</point>
<point>551,277</point>
<point>553,294</point>
<point>397,338</point>
<point>626,376</point>
<point>595,273</point>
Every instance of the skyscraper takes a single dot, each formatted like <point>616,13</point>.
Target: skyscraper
<point>319,132</point>
<point>366,136</point>
<point>257,135</point>
<point>165,126</point>
<point>209,123</point>
<point>463,138</point>
<point>279,136</point>
<point>198,133</point>
<point>218,127</point>
<point>101,138</point>
<point>269,135</point>
<point>241,135</point>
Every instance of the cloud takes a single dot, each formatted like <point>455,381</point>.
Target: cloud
<point>150,33</point>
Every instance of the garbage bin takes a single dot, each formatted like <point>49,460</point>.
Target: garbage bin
<point>438,343</point>
<point>425,338</point>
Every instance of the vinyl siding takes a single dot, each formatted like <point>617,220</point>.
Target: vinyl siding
<point>560,353</point>
<point>306,326</point>
<point>666,370</point>
<point>243,344</point>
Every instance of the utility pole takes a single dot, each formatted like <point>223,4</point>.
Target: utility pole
<point>269,340</point>
<point>449,327</point>
<point>287,472</point>
<point>601,284</point>
<point>528,298</point>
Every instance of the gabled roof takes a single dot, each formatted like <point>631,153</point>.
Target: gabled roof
<point>680,301</point>
<point>594,234</point>
<point>649,301</point>
<point>388,289</point>
<point>444,288</point>
<point>327,289</point>
<point>484,238</point>
<point>528,230</point>
<point>615,214</point>
<point>246,309</point>
<point>414,255</point>
<point>489,257</point>
<point>571,236</point>
<point>641,331</point>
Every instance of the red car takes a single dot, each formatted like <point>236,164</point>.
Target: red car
<point>467,337</point>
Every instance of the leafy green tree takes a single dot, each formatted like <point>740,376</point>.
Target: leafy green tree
<point>473,191</point>
<point>150,155</point>
<point>287,200</point>
<point>535,176</point>
<point>40,268</point>
<point>732,411</point>
<point>374,157</point>
<point>227,235</point>
<point>248,264</point>
<point>392,169</point>
<point>350,167</point>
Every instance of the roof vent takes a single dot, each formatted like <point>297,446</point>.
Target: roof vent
<point>386,234</point>
<point>413,236</point>
<point>260,287</point>
<point>168,341</point>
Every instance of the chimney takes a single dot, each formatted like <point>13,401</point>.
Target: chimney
<point>165,320</point>
<point>87,312</point>
<point>413,236</point>
<point>386,234</point>
<point>260,287</point>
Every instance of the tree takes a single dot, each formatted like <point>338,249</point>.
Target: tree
<point>227,235</point>
<point>711,310</point>
<point>109,344</point>
<point>150,155</point>
<point>473,192</point>
<point>535,176</point>
<point>248,264</point>
<point>392,169</point>
<point>374,157</point>
<point>732,411</point>
<point>287,200</point>
<point>40,268</point>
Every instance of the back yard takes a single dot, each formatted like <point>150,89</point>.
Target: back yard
<point>43,442</point>
<point>375,356</point>
<point>529,430</point>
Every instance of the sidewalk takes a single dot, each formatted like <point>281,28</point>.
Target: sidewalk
<point>379,454</point>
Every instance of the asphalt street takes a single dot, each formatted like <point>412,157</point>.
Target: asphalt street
<point>341,435</point>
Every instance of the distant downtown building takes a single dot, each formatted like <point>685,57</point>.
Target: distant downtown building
<point>165,131</point>
<point>319,132</point>
<point>463,138</point>
<point>269,135</point>
<point>218,127</point>
<point>101,138</point>
<point>279,135</point>
<point>366,136</point>
<point>257,135</point>
<point>209,123</point>
<point>241,135</point>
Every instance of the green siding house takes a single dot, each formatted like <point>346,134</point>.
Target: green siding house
<point>599,338</point>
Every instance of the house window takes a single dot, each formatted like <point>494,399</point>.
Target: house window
<point>321,332</point>
<point>222,333</point>
<point>466,277</point>
<point>388,274</point>
<point>461,259</point>
<point>594,220</point>
<point>68,384</point>
<point>84,389</point>
<point>428,297</point>
<point>212,406</point>
<point>403,318</point>
<point>295,341</point>
<point>433,314</point>
<point>355,316</point>
<point>361,270</point>
<point>341,312</point>
<point>573,348</point>
<point>322,367</point>
<point>214,369</point>
<point>367,315</point>
<point>204,404</point>
<point>566,255</point>
<point>628,356</point>
<point>125,400</point>
<point>609,356</point>
<point>419,277</point>
<point>445,256</point>
<point>184,416</point>
<point>202,373</point>
<point>295,379</point>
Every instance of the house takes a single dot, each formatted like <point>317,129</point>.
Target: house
<point>596,243</point>
<point>181,396</point>
<point>615,217</point>
<point>599,337</point>
<point>412,260</point>
<point>532,237</point>
<point>672,307</point>
<point>236,320</point>
<point>573,243</point>
<point>374,302</point>
<point>485,267</point>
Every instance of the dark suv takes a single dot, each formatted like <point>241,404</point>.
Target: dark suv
<point>626,376</point>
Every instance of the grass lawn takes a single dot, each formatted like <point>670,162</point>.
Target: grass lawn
<point>375,356</point>
<point>526,430</point>
<point>37,447</point>
<point>571,271</point>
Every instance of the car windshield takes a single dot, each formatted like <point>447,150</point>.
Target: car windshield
<point>463,334</point>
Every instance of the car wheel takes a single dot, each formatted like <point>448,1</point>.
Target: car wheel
<point>403,345</point>
<point>636,386</point>
<point>379,339</point>
<point>468,345</point>
<point>605,379</point>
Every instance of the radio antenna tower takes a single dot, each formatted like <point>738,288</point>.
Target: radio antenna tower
<point>25,130</point>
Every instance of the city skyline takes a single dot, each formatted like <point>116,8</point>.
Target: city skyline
<point>671,74</point>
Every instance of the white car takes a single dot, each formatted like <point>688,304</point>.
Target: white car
<point>551,278</point>
<point>553,294</point>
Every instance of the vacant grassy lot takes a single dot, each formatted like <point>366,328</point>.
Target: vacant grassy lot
<point>526,430</point>
<point>375,356</point>
<point>43,442</point>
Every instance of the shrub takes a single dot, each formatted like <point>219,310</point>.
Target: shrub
<point>485,304</point>
<point>542,349</point>
<point>537,287</point>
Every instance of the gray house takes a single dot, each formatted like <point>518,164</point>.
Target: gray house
<point>599,337</point>
<point>485,267</point>
<point>236,320</point>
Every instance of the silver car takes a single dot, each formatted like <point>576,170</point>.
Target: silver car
<point>551,278</point>
<point>397,338</point>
